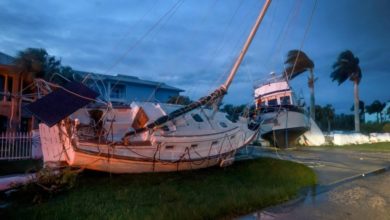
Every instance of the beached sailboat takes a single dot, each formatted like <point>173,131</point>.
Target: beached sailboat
<point>142,137</point>
<point>282,117</point>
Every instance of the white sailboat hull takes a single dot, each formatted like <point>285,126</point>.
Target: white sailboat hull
<point>160,153</point>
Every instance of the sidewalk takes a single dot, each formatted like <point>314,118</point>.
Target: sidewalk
<point>330,164</point>
<point>352,185</point>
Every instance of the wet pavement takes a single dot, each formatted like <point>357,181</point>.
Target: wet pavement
<point>331,164</point>
<point>351,185</point>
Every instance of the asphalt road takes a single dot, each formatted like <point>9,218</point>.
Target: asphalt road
<point>352,185</point>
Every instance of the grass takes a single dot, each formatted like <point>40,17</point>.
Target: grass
<point>19,166</point>
<point>376,147</point>
<point>212,193</point>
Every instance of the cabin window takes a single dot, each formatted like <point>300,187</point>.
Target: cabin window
<point>223,124</point>
<point>118,91</point>
<point>285,100</point>
<point>272,102</point>
<point>140,119</point>
<point>197,118</point>
<point>169,147</point>
<point>194,145</point>
<point>260,104</point>
<point>214,142</point>
<point>232,137</point>
<point>165,128</point>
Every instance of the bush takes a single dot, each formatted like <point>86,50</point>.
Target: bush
<point>372,127</point>
<point>386,127</point>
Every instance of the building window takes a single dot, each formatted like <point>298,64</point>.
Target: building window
<point>118,91</point>
<point>10,84</point>
<point>2,86</point>
<point>285,100</point>
<point>3,123</point>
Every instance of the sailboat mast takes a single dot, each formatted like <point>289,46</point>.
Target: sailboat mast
<point>246,45</point>
<point>215,96</point>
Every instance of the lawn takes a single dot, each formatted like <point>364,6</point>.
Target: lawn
<point>212,193</point>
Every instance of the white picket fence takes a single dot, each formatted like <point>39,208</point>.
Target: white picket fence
<point>16,145</point>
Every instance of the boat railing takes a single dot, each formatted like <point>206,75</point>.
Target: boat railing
<point>278,108</point>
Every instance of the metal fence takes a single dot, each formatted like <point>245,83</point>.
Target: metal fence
<point>15,145</point>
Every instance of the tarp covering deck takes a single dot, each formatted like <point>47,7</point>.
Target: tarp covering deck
<point>61,103</point>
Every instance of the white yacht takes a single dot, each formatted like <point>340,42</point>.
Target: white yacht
<point>282,117</point>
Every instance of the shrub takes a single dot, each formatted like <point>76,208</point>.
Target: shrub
<point>386,127</point>
<point>371,127</point>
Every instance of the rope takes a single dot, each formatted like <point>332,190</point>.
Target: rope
<point>304,36</point>
<point>136,43</point>
<point>73,93</point>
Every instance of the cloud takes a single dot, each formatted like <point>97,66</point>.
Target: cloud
<point>195,47</point>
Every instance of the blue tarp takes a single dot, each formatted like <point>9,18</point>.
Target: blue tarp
<point>61,103</point>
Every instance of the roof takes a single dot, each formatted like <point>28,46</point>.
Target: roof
<point>6,59</point>
<point>129,79</point>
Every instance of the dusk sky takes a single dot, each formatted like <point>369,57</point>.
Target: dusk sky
<point>192,44</point>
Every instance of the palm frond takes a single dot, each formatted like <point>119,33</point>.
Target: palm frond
<point>297,62</point>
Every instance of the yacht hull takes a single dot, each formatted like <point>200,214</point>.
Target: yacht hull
<point>282,128</point>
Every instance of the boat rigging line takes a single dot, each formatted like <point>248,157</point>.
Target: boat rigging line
<point>150,30</point>
<point>304,37</point>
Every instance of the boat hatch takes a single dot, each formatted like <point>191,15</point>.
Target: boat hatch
<point>140,119</point>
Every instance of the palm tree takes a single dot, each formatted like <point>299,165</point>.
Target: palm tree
<point>362,109</point>
<point>376,107</point>
<point>179,100</point>
<point>347,67</point>
<point>298,62</point>
<point>36,63</point>
<point>329,114</point>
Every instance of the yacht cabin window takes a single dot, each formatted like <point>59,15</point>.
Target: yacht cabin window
<point>272,102</point>
<point>285,100</point>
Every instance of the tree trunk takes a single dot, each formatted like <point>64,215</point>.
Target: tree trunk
<point>328,126</point>
<point>356,101</point>
<point>312,98</point>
